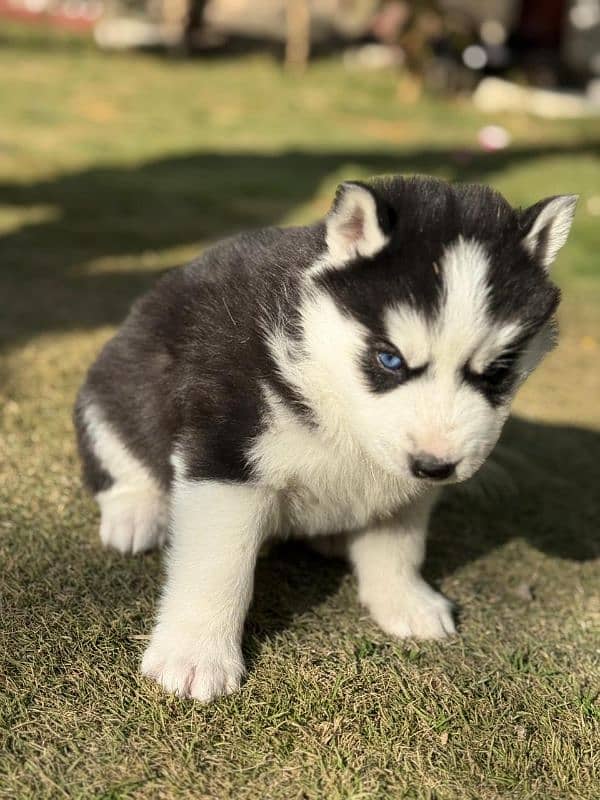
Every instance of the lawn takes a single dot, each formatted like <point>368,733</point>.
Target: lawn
<point>114,168</point>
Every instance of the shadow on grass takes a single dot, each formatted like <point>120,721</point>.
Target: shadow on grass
<point>551,500</point>
<point>120,211</point>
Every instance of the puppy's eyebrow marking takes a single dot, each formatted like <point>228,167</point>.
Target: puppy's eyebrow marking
<point>508,352</point>
<point>409,332</point>
<point>418,369</point>
<point>504,357</point>
<point>508,340</point>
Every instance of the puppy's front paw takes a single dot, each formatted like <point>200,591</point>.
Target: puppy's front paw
<point>203,670</point>
<point>419,612</point>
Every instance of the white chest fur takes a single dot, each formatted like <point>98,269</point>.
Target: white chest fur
<point>326,484</point>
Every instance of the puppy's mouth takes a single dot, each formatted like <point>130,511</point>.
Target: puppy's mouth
<point>441,481</point>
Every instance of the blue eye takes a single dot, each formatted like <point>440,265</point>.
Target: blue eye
<point>390,361</point>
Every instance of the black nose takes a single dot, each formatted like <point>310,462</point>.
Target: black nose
<point>424,465</point>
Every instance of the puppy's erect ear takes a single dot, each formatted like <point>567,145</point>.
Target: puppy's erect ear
<point>548,224</point>
<point>357,224</point>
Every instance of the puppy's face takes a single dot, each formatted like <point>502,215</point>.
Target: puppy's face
<point>430,307</point>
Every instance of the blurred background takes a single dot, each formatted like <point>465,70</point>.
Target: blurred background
<point>448,44</point>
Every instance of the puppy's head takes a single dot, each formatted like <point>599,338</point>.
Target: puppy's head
<point>431,304</point>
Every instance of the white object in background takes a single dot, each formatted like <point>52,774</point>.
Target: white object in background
<point>123,33</point>
<point>495,94</point>
<point>373,56</point>
<point>494,137</point>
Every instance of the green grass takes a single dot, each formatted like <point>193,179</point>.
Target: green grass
<point>113,168</point>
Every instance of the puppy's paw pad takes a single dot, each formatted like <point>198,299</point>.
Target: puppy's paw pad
<point>421,613</point>
<point>133,523</point>
<point>203,672</point>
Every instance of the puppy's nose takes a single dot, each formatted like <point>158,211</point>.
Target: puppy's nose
<point>424,465</point>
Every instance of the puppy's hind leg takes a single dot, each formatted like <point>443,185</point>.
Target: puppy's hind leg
<point>133,506</point>
<point>134,519</point>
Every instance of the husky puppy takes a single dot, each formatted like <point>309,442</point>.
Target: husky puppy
<point>315,381</point>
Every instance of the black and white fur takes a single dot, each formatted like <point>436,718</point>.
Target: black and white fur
<point>244,398</point>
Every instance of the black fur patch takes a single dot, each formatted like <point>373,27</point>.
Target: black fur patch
<point>187,367</point>
<point>429,215</point>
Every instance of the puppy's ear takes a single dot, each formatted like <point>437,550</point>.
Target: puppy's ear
<point>547,225</point>
<point>358,224</point>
